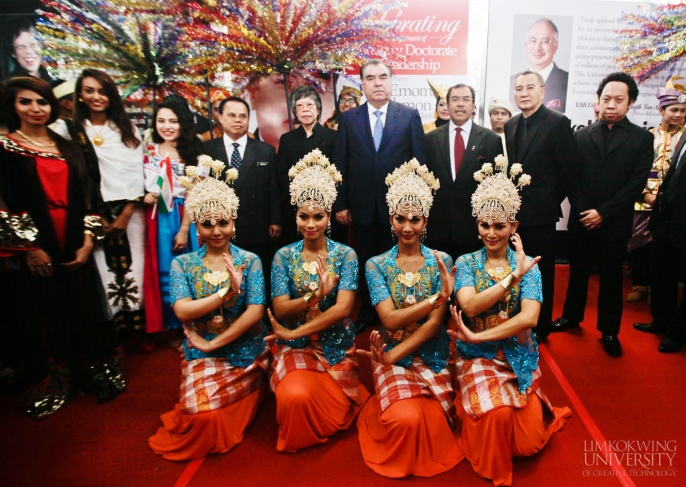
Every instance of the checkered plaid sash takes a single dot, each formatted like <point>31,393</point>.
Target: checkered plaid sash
<point>287,359</point>
<point>486,385</point>
<point>211,383</point>
<point>394,383</point>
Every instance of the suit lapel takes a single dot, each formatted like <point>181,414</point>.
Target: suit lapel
<point>597,137</point>
<point>220,151</point>
<point>619,138</point>
<point>677,150</point>
<point>469,159</point>
<point>671,173</point>
<point>389,127</point>
<point>249,160</point>
<point>363,125</point>
<point>444,149</point>
<point>531,136</point>
<point>510,132</point>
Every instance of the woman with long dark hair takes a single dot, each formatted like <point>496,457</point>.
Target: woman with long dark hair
<point>113,152</point>
<point>52,302</point>
<point>170,231</point>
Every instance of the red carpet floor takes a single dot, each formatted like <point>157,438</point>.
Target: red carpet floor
<point>638,397</point>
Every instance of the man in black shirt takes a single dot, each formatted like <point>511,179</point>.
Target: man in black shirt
<point>614,159</point>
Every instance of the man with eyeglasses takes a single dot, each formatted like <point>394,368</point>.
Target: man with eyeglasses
<point>455,151</point>
<point>541,140</point>
<point>541,44</point>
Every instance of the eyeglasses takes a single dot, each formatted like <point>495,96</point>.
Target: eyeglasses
<point>30,48</point>
<point>347,101</point>
<point>544,42</point>
<point>302,106</point>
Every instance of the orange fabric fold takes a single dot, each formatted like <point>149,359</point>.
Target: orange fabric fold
<point>310,407</point>
<point>410,437</point>
<point>191,436</point>
<point>489,443</point>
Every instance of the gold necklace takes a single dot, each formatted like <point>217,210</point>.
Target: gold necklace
<point>499,272</point>
<point>215,278</point>
<point>31,141</point>
<point>98,139</point>
<point>409,280</point>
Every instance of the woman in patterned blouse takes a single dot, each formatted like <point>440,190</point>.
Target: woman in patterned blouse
<point>218,293</point>
<point>314,282</point>
<point>501,404</point>
<point>405,428</point>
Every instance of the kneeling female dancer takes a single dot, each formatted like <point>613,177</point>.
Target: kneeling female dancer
<point>218,293</point>
<point>503,411</point>
<point>405,428</point>
<point>314,282</point>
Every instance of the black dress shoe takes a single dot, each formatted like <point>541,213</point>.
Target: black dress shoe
<point>540,335</point>
<point>670,344</point>
<point>561,324</point>
<point>650,328</point>
<point>612,346</point>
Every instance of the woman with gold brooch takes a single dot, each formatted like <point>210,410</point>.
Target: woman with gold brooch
<point>314,282</point>
<point>218,293</point>
<point>501,406</point>
<point>405,428</point>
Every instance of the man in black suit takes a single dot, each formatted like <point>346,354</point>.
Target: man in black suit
<point>541,45</point>
<point>456,151</point>
<point>614,158</point>
<point>372,141</point>
<point>306,106</point>
<point>668,256</point>
<point>541,140</point>
<point>260,214</point>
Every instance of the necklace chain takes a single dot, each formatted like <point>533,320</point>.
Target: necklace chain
<point>37,144</point>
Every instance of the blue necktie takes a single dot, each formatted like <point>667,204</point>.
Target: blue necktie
<point>236,157</point>
<point>378,129</point>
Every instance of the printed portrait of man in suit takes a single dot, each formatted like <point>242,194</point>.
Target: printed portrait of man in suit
<point>541,44</point>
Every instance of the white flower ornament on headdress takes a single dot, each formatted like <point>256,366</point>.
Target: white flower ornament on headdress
<point>410,189</point>
<point>210,199</point>
<point>497,197</point>
<point>313,182</point>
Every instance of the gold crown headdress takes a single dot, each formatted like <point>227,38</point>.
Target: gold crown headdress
<point>210,198</point>
<point>497,197</point>
<point>410,187</point>
<point>313,182</point>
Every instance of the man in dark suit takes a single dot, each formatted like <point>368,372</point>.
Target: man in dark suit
<point>614,158</point>
<point>541,45</point>
<point>306,106</point>
<point>668,257</point>
<point>373,140</point>
<point>260,214</point>
<point>455,152</point>
<point>541,140</point>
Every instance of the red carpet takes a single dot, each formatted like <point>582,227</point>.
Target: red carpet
<point>638,397</point>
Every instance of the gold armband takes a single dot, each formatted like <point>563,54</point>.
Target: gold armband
<point>311,299</point>
<point>89,232</point>
<point>508,282</point>
<point>436,300</point>
<point>226,293</point>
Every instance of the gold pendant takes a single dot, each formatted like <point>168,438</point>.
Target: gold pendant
<point>310,267</point>
<point>215,278</point>
<point>98,140</point>
<point>409,279</point>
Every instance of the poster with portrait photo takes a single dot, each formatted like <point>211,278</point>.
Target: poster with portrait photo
<point>543,44</point>
<point>21,54</point>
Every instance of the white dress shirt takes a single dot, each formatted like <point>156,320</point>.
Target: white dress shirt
<point>372,117</point>
<point>466,130</point>
<point>544,72</point>
<point>228,144</point>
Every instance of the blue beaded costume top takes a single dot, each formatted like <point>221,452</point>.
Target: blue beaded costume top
<point>522,357</point>
<point>382,279</point>
<point>290,278</point>
<point>186,280</point>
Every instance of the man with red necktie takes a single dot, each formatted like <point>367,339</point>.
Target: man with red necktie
<point>456,151</point>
